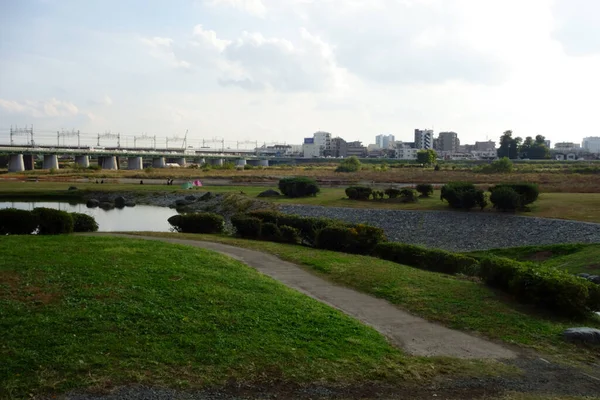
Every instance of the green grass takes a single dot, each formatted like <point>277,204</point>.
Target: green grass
<point>97,312</point>
<point>456,302</point>
<point>575,258</point>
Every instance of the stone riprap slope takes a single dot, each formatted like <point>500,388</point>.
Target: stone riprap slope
<point>460,231</point>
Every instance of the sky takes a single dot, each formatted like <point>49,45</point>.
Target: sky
<point>276,71</point>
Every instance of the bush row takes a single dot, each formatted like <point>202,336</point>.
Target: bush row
<point>322,233</point>
<point>364,193</point>
<point>44,221</point>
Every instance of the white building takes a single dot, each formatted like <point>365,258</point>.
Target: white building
<point>385,141</point>
<point>567,146</point>
<point>591,144</point>
<point>317,145</point>
<point>406,153</point>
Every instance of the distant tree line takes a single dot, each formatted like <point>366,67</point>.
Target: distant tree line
<point>513,148</point>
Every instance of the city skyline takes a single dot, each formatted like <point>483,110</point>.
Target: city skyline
<point>262,70</point>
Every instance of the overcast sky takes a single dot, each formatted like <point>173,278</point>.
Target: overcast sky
<point>279,70</point>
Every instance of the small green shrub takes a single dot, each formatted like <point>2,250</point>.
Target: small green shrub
<point>408,195</point>
<point>289,234</point>
<point>53,222</point>
<point>392,193</point>
<point>428,259</point>
<point>357,239</point>
<point>269,231</point>
<point>528,192</point>
<point>359,192</point>
<point>84,223</point>
<point>350,164</point>
<point>247,226</point>
<point>463,195</point>
<point>298,187</point>
<point>17,222</point>
<point>505,199</point>
<point>425,189</point>
<point>200,222</point>
<point>307,226</point>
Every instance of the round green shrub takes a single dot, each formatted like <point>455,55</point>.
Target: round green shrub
<point>298,187</point>
<point>408,195</point>
<point>17,222</point>
<point>270,231</point>
<point>425,189</point>
<point>84,223</point>
<point>359,192</point>
<point>200,222</point>
<point>53,222</point>
<point>289,234</point>
<point>505,199</point>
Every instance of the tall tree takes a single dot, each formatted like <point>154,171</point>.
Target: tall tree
<point>505,141</point>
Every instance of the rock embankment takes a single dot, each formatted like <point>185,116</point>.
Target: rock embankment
<point>460,231</point>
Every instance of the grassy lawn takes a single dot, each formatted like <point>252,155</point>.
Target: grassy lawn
<point>574,206</point>
<point>98,312</point>
<point>575,258</point>
<point>453,301</point>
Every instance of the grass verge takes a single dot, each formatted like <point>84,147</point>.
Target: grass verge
<point>575,258</point>
<point>457,302</point>
<point>98,312</point>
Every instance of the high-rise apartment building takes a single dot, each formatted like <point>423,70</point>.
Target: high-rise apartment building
<point>448,141</point>
<point>385,141</point>
<point>317,146</point>
<point>591,144</point>
<point>423,138</point>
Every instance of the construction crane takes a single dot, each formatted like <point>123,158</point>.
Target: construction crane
<point>108,135</point>
<point>178,139</point>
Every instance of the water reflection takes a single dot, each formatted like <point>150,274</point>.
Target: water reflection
<point>138,218</point>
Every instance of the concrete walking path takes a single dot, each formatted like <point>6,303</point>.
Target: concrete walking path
<point>414,335</point>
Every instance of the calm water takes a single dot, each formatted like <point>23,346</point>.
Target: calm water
<point>138,218</point>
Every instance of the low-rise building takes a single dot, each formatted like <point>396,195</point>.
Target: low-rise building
<point>490,145</point>
<point>406,153</point>
<point>356,149</point>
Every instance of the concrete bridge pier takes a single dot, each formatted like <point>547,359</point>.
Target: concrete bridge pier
<point>263,163</point>
<point>240,163</point>
<point>254,163</point>
<point>50,161</point>
<point>109,162</point>
<point>15,163</point>
<point>82,161</point>
<point>217,162</point>
<point>158,162</point>
<point>200,161</point>
<point>29,162</point>
<point>181,162</point>
<point>135,163</point>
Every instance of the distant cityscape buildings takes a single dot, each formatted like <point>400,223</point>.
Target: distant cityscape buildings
<point>447,145</point>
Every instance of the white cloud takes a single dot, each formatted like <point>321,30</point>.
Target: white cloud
<point>40,109</point>
<point>253,7</point>
<point>162,48</point>
<point>577,26</point>
<point>208,39</point>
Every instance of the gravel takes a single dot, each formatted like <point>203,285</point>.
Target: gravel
<point>460,231</point>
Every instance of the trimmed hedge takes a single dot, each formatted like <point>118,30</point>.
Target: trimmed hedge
<point>425,189</point>
<point>527,192</point>
<point>392,193</point>
<point>17,222</point>
<point>463,195</point>
<point>200,222</point>
<point>298,187</point>
<point>84,223</point>
<point>53,222</point>
<point>505,199</point>
<point>545,287</point>
<point>357,239</point>
<point>428,259</point>
<point>270,231</point>
<point>289,234</point>
<point>359,192</point>
<point>246,226</point>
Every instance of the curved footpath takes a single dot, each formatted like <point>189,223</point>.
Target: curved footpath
<point>414,335</point>
<point>458,230</point>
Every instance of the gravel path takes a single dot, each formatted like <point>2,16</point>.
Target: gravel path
<point>460,231</point>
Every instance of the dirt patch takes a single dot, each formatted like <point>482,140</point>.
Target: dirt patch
<point>14,288</point>
<point>540,256</point>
